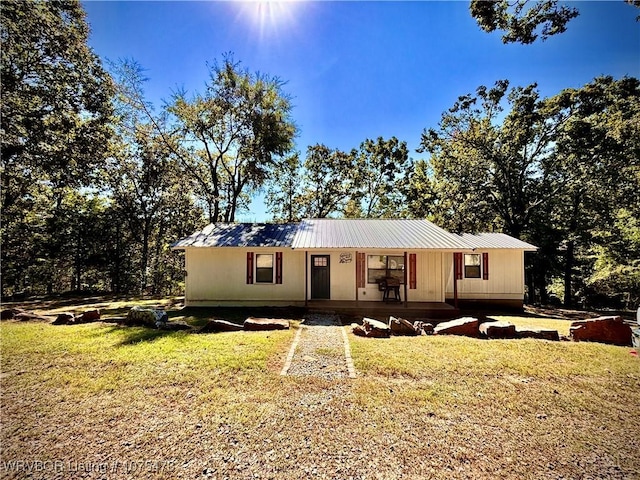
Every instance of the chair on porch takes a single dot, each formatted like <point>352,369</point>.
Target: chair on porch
<point>390,286</point>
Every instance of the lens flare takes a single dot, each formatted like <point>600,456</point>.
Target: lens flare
<point>270,17</point>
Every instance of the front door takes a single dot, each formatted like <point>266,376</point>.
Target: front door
<point>320,280</point>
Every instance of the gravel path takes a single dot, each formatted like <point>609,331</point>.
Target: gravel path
<point>320,349</point>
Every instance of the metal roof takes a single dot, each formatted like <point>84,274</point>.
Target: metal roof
<point>375,233</point>
<point>240,235</point>
<point>495,240</point>
<point>392,234</point>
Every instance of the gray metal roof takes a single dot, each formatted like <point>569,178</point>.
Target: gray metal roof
<point>346,233</point>
<point>240,235</point>
<point>375,233</point>
<point>495,240</point>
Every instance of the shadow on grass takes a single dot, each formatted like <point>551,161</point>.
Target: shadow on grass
<point>136,335</point>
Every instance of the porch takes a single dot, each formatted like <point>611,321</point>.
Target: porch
<point>412,310</point>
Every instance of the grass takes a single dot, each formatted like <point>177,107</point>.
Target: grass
<point>215,406</point>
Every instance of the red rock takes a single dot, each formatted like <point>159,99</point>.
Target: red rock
<point>214,326</point>
<point>88,316</point>
<point>375,328</point>
<point>64,319</point>
<point>256,324</point>
<point>496,329</point>
<point>400,326</point>
<point>10,313</point>
<point>611,330</point>
<point>466,326</point>
<point>540,333</point>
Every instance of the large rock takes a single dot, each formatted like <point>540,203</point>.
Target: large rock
<point>375,328</point>
<point>400,326</point>
<point>496,329</point>
<point>466,326</point>
<point>215,326</point>
<point>10,313</point>
<point>29,316</point>
<point>539,333</point>
<point>65,318</point>
<point>147,317</point>
<point>88,316</point>
<point>173,326</point>
<point>255,324</point>
<point>611,330</point>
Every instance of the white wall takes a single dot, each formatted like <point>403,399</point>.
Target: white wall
<point>506,277</point>
<point>217,276</point>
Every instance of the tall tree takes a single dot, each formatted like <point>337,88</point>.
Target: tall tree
<point>55,116</point>
<point>490,166</point>
<point>597,160</point>
<point>328,181</point>
<point>234,131</point>
<point>284,190</point>
<point>379,173</point>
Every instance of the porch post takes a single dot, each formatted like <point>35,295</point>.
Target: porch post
<point>405,279</point>
<point>306,278</point>
<point>455,280</point>
<point>357,274</point>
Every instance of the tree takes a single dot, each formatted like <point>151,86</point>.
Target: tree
<point>328,181</point>
<point>489,173</point>
<point>284,190</point>
<point>379,172</point>
<point>55,125</point>
<point>522,24</point>
<point>55,97</point>
<point>233,132</point>
<point>523,20</point>
<point>597,159</point>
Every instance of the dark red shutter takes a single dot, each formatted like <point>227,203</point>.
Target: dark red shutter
<point>360,270</point>
<point>278,267</point>
<point>485,266</point>
<point>249,267</point>
<point>413,284</point>
<point>457,263</point>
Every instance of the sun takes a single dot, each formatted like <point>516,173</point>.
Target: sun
<point>270,17</point>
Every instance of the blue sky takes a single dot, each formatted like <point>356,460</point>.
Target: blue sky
<point>359,70</point>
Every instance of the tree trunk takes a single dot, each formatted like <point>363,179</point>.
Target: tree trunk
<point>568,274</point>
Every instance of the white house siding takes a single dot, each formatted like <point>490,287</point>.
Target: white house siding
<point>217,276</point>
<point>429,278</point>
<point>506,277</point>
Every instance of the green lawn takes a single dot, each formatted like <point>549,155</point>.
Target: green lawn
<point>150,404</point>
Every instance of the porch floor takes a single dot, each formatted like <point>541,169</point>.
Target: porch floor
<point>435,310</point>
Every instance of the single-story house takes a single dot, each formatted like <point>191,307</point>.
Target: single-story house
<point>350,260</point>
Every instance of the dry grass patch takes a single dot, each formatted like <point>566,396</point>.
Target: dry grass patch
<point>215,406</point>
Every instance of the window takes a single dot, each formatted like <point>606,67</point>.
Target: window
<point>320,261</point>
<point>264,268</point>
<point>381,266</point>
<point>472,265</point>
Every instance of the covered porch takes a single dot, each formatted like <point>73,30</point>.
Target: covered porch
<point>413,310</point>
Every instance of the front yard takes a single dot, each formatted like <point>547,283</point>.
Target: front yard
<point>103,401</point>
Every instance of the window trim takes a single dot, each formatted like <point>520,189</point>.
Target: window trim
<point>386,270</point>
<point>272,268</point>
<point>478,266</point>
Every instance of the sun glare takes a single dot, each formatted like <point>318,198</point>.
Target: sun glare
<point>270,17</point>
